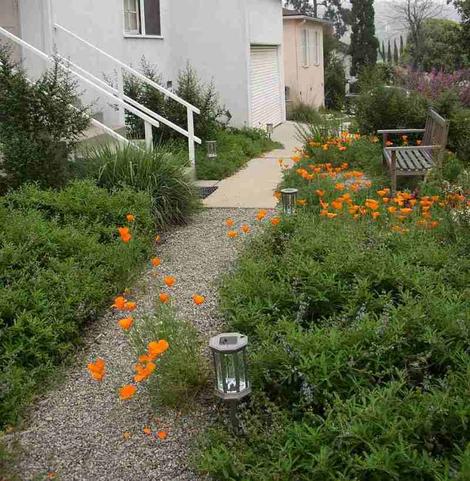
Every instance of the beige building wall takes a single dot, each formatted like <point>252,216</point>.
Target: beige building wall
<point>9,20</point>
<point>305,82</point>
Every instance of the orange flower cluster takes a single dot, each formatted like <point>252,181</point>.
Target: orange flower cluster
<point>122,304</point>
<point>125,234</point>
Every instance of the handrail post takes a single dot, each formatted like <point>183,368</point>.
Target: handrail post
<point>148,135</point>
<point>120,88</point>
<point>191,148</point>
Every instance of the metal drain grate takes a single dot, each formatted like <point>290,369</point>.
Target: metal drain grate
<point>206,191</point>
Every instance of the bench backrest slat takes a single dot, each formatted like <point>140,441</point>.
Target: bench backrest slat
<point>437,131</point>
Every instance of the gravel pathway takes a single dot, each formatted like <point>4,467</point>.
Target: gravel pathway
<point>80,430</point>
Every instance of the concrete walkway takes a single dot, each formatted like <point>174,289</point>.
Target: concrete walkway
<point>254,186</point>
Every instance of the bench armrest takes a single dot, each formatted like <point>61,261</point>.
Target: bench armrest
<point>401,131</point>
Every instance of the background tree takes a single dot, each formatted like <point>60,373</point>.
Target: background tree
<point>463,7</point>
<point>364,44</point>
<point>442,44</point>
<point>396,56</point>
<point>382,52</point>
<point>414,13</point>
<point>402,46</point>
<point>389,53</point>
<point>333,10</point>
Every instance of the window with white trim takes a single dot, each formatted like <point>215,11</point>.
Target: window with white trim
<point>142,17</point>
<point>314,47</point>
<point>304,46</point>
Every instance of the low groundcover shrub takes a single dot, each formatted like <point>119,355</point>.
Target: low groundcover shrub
<point>359,334</point>
<point>61,261</point>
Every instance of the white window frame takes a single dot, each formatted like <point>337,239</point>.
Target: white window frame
<point>140,32</point>
<point>315,48</point>
<point>305,47</point>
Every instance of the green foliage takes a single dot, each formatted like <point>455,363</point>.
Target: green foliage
<point>364,44</point>
<point>359,348</point>
<point>160,172</point>
<point>39,125</point>
<point>442,46</point>
<point>190,88</point>
<point>335,83</point>
<point>459,134</point>
<point>304,113</point>
<point>374,76</point>
<point>181,373</point>
<point>235,147</point>
<point>61,260</point>
<point>389,108</point>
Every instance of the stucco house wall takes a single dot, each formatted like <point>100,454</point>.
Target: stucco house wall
<point>214,36</point>
<point>305,83</point>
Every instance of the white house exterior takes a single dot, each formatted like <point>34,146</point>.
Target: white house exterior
<point>235,43</point>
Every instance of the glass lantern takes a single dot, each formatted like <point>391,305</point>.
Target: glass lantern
<point>211,147</point>
<point>229,351</point>
<point>270,129</point>
<point>289,200</point>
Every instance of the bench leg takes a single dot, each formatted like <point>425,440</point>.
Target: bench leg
<point>394,182</point>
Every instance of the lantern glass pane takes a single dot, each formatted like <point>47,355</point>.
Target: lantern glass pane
<point>289,200</point>
<point>219,371</point>
<point>211,148</point>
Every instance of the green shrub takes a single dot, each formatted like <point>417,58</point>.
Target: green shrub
<point>335,84</point>
<point>459,134</point>
<point>304,113</point>
<point>181,373</point>
<point>190,88</point>
<point>39,125</point>
<point>390,108</point>
<point>160,172</point>
<point>61,260</point>
<point>235,147</point>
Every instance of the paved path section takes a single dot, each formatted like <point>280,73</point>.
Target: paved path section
<point>76,432</point>
<point>254,186</point>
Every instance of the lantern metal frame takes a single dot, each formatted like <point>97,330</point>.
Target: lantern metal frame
<point>230,348</point>
<point>270,129</point>
<point>289,200</point>
<point>211,149</point>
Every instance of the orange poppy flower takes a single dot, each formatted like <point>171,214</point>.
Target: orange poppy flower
<point>169,281</point>
<point>155,348</point>
<point>375,215</point>
<point>147,431</point>
<point>119,303</point>
<point>433,224</point>
<point>295,158</point>
<point>385,200</point>
<point>130,306</point>
<point>229,222</point>
<point>245,228</point>
<point>130,218</point>
<point>126,323</point>
<point>261,214</point>
<point>277,194</point>
<point>164,297</point>
<point>124,234</point>
<point>144,372</point>
<point>342,148</point>
<point>127,392</point>
<point>232,234</point>
<point>97,369</point>
<point>337,205</point>
<point>302,202</point>
<point>372,204</point>
<point>383,192</point>
<point>126,435</point>
<point>330,215</point>
<point>155,261</point>
<point>392,209</point>
<point>374,139</point>
<point>339,186</point>
<point>324,204</point>
<point>389,143</point>
<point>275,220</point>
<point>320,192</point>
<point>162,435</point>
<point>419,142</point>
<point>406,211</point>
<point>158,238</point>
<point>198,299</point>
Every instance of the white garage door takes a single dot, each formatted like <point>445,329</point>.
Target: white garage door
<point>265,78</point>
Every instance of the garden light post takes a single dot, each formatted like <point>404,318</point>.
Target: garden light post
<point>211,147</point>
<point>270,130</point>
<point>231,383</point>
<point>289,200</point>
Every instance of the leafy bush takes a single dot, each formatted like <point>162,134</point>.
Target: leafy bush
<point>182,372</point>
<point>234,148</point>
<point>359,346</point>
<point>61,260</point>
<point>304,113</point>
<point>39,125</point>
<point>190,88</point>
<point>390,108</point>
<point>159,172</point>
<point>459,134</point>
<point>335,84</point>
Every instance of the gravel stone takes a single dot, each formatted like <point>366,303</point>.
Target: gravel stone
<point>78,429</point>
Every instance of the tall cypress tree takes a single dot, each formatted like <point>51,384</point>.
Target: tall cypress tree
<point>395,52</point>
<point>389,53</point>
<point>402,46</point>
<point>382,52</point>
<point>364,44</point>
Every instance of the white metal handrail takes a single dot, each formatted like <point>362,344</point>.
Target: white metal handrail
<point>149,117</point>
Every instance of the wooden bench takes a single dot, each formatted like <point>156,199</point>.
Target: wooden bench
<point>416,160</point>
